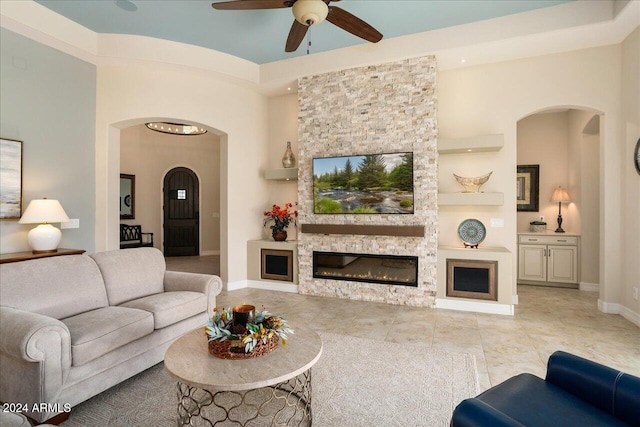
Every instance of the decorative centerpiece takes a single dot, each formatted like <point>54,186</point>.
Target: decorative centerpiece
<point>281,219</point>
<point>472,185</point>
<point>241,333</point>
<point>538,226</point>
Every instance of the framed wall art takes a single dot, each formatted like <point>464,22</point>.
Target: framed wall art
<point>11,178</point>
<point>528,187</point>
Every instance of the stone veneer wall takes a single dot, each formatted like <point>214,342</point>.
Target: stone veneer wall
<point>369,110</point>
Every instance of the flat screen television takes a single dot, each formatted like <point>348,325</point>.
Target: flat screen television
<point>363,184</point>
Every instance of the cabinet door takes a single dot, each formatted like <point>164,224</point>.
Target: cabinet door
<point>563,264</point>
<point>532,262</point>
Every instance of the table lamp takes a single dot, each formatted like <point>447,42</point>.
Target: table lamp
<point>560,196</point>
<point>45,237</point>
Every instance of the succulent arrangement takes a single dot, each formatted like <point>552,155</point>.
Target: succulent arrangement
<point>220,327</point>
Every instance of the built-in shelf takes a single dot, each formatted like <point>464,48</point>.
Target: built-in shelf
<point>465,199</point>
<point>368,230</point>
<point>285,174</point>
<point>473,144</point>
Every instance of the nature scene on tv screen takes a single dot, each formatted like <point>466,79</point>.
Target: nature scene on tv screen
<point>369,184</point>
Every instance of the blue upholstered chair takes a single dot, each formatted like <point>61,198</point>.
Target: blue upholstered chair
<point>576,392</point>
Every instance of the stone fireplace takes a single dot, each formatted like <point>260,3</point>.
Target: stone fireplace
<point>370,110</point>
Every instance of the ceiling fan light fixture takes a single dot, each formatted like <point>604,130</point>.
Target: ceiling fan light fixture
<point>310,12</point>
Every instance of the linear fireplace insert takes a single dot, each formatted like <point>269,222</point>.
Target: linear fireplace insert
<point>384,269</point>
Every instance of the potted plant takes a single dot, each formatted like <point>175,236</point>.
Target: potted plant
<point>281,218</point>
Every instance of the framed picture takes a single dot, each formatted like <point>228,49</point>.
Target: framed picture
<point>528,187</point>
<point>11,179</point>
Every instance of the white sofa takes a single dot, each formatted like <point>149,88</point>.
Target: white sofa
<point>72,326</point>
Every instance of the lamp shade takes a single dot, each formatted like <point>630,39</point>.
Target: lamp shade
<point>560,195</point>
<point>43,211</point>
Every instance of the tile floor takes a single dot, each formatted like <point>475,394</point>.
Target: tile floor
<point>545,320</point>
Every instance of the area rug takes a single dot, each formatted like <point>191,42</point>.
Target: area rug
<point>356,382</point>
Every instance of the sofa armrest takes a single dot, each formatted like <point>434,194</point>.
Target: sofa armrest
<point>208,284</point>
<point>35,355</point>
<point>25,335</point>
<point>475,412</point>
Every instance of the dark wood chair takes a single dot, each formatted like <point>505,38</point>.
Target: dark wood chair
<point>131,236</point>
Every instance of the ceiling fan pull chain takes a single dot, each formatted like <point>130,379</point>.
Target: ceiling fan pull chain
<point>308,46</point>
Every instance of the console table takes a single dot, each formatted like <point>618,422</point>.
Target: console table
<point>28,255</point>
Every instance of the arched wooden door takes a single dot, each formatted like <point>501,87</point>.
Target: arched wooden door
<point>181,213</point>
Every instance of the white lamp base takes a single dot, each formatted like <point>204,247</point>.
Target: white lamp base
<point>44,238</point>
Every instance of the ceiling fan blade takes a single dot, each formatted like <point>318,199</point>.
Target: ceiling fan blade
<point>297,33</point>
<point>252,4</point>
<point>353,24</point>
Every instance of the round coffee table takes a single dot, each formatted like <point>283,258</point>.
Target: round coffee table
<point>274,389</point>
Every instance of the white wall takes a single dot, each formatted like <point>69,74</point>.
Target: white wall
<point>53,114</point>
<point>630,206</point>
<point>283,127</point>
<point>493,98</point>
<point>127,96</point>
<point>150,155</point>
<point>584,187</point>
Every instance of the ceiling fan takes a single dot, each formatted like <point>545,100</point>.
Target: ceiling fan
<point>308,13</point>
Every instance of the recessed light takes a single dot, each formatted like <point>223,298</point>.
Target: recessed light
<point>463,60</point>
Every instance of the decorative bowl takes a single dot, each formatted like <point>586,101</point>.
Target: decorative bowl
<point>472,185</point>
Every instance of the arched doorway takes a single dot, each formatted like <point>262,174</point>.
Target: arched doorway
<point>564,143</point>
<point>181,195</point>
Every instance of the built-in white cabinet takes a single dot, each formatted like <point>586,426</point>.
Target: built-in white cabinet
<point>546,258</point>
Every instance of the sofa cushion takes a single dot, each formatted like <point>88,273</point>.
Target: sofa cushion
<point>170,307</point>
<point>530,400</point>
<point>57,287</point>
<point>132,273</point>
<point>97,332</point>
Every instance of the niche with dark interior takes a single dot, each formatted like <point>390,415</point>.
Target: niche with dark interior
<point>475,279</point>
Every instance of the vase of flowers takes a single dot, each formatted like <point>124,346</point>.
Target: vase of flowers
<point>281,218</point>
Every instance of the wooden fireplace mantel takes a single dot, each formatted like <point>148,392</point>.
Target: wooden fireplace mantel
<point>367,230</point>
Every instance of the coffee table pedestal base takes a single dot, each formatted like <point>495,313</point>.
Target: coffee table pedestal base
<point>285,404</point>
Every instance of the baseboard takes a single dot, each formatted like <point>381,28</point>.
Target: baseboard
<point>475,306</point>
<point>206,253</point>
<point>630,315</point>
<point>608,307</point>
<point>589,287</point>
<point>273,286</point>
<point>615,308</point>
<point>234,286</point>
